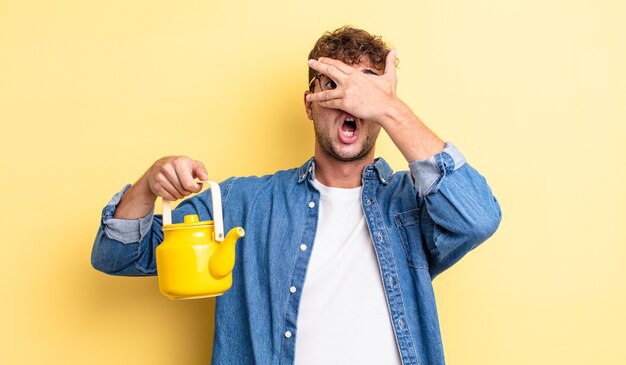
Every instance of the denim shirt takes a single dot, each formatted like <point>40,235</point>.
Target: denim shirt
<point>420,221</point>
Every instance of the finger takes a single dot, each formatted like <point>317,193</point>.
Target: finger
<point>185,178</point>
<point>390,63</point>
<point>329,70</point>
<point>168,192</point>
<point>337,63</point>
<point>325,95</point>
<point>166,196</point>
<point>199,171</point>
<point>163,188</point>
<point>173,181</point>
<point>332,104</point>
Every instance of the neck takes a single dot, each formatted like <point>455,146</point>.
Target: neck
<point>340,174</point>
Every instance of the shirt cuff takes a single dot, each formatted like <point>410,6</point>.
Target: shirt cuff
<point>124,230</point>
<point>428,174</point>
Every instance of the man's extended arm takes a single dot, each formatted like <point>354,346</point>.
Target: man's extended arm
<point>129,233</point>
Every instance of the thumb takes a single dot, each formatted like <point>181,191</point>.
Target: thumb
<point>390,63</point>
<point>199,171</point>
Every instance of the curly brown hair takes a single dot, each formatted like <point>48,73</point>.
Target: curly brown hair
<point>348,45</point>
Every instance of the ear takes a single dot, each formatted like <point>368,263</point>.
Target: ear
<point>308,106</point>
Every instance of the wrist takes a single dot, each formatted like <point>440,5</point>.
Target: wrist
<point>395,113</point>
<point>412,137</point>
<point>143,190</point>
<point>137,201</point>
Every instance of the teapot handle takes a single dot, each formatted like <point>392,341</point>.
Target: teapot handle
<point>218,220</point>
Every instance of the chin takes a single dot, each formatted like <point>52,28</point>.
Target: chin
<point>350,156</point>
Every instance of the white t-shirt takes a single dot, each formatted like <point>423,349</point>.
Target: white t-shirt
<point>343,316</point>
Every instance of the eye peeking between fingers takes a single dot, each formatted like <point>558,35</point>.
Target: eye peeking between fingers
<point>326,83</point>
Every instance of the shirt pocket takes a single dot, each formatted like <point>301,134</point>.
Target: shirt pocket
<point>411,238</point>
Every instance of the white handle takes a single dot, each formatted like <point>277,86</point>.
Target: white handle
<point>218,220</point>
<point>167,212</point>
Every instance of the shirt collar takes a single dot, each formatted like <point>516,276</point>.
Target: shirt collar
<point>379,168</point>
<point>307,169</point>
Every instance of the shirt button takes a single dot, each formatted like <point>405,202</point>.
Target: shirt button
<point>400,324</point>
<point>311,204</point>
<point>369,202</point>
<point>288,334</point>
<point>303,247</point>
<point>292,289</point>
<point>379,236</point>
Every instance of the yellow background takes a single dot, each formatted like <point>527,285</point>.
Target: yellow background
<point>92,92</point>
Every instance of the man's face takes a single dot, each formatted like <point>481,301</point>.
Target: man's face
<point>338,134</point>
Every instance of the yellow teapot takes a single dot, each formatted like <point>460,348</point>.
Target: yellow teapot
<point>195,260</point>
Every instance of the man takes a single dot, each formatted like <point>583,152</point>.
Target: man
<point>339,254</point>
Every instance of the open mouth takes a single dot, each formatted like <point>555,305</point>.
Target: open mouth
<point>348,127</point>
<point>348,130</point>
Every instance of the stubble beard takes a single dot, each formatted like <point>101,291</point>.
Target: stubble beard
<point>326,144</point>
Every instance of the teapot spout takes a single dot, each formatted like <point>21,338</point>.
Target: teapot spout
<point>222,261</point>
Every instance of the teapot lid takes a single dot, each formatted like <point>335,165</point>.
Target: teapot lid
<point>190,220</point>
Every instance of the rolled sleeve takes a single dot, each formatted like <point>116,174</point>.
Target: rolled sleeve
<point>124,230</point>
<point>428,174</point>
